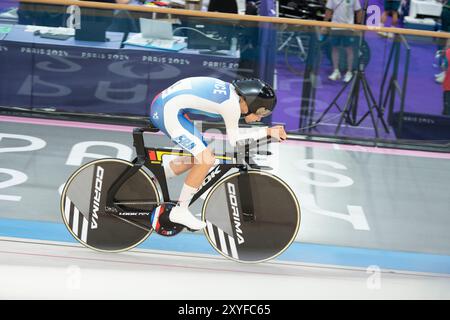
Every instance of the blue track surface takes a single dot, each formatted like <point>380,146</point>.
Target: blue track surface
<point>297,252</point>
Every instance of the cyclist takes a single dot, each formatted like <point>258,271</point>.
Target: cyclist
<point>216,99</point>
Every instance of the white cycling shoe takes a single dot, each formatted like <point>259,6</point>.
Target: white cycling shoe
<point>184,216</point>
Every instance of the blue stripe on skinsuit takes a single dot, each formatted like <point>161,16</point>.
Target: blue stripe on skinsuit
<point>157,115</point>
<point>157,118</point>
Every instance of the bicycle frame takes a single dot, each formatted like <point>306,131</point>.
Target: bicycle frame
<point>152,159</point>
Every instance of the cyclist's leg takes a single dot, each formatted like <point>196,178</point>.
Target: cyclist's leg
<point>185,134</point>
<point>181,164</point>
<point>189,138</point>
<point>178,166</point>
<point>203,163</point>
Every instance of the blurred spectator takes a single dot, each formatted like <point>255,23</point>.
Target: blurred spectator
<point>441,43</point>
<point>390,9</point>
<point>403,11</point>
<point>342,11</point>
<point>446,85</point>
<point>441,62</point>
<point>445,16</point>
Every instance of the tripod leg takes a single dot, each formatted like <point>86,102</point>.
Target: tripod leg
<point>389,93</point>
<point>380,112</point>
<point>362,119</point>
<point>324,113</point>
<point>348,104</point>
<point>353,115</point>
<point>331,104</point>
<point>370,103</point>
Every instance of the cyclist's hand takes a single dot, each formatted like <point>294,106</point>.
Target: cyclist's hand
<point>277,132</point>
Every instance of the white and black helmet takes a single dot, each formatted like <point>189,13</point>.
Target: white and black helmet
<point>259,95</point>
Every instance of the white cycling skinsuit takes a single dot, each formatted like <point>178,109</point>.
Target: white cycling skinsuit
<point>204,96</point>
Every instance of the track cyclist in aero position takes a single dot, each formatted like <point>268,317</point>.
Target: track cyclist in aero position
<point>216,99</point>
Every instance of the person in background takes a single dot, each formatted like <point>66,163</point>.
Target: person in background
<point>445,16</point>
<point>445,27</point>
<point>390,9</point>
<point>342,11</point>
<point>446,83</point>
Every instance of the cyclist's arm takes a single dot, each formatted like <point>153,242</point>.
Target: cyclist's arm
<point>235,133</point>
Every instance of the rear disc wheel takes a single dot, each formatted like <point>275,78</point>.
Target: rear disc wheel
<point>83,206</point>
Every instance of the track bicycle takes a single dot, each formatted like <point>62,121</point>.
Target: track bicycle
<point>251,215</point>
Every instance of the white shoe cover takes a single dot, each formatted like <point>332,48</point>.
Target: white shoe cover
<point>184,217</point>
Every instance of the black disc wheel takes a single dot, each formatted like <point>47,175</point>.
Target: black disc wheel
<point>83,206</point>
<point>251,216</point>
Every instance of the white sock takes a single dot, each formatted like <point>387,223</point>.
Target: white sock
<point>187,192</point>
<point>168,171</point>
